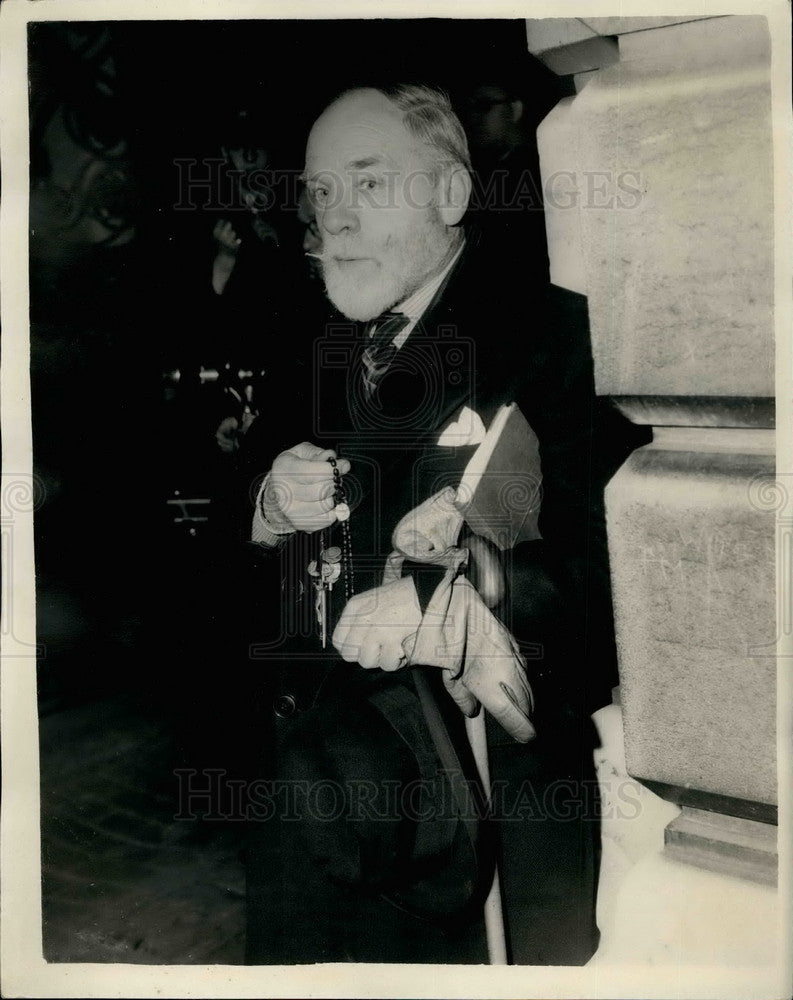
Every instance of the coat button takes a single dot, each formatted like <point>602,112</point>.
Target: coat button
<point>284,706</point>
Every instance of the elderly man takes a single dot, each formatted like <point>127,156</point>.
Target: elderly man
<point>439,333</point>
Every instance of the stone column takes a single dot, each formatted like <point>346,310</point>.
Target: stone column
<point>659,198</point>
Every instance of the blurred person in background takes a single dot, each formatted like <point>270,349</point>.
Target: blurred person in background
<point>500,116</point>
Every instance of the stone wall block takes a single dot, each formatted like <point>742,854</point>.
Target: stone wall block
<point>556,138</point>
<point>692,562</point>
<point>673,157</point>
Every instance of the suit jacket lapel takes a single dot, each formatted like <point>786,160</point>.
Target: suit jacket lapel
<point>440,368</point>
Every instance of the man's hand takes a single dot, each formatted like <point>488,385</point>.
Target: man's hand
<point>500,684</point>
<point>226,237</point>
<point>480,659</point>
<point>374,625</point>
<point>230,432</point>
<point>228,244</point>
<point>298,493</point>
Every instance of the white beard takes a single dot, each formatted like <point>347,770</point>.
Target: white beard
<point>403,264</point>
<point>361,296</point>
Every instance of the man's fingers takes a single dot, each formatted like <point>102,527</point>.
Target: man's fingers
<point>302,470</point>
<point>313,521</point>
<point>409,645</point>
<point>302,476</point>
<point>466,702</point>
<point>344,641</point>
<point>513,720</point>
<point>293,489</point>
<point>392,657</point>
<point>312,452</point>
<point>515,685</point>
<point>225,234</point>
<point>527,691</point>
<point>519,703</point>
<point>510,710</point>
<point>376,625</point>
<point>349,651</point>
<point>309,510</point>
<point>369,653</point>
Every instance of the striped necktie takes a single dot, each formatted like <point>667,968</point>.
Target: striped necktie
<point>380,350</point>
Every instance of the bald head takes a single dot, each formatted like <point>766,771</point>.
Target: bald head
<point>355,123</point>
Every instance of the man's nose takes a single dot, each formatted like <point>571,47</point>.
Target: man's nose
<point>339,217</point>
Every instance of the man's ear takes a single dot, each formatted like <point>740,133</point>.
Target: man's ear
<point>455,193</point>
<point>517,111</point>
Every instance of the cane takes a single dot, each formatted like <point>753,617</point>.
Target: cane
<point>493,912</point>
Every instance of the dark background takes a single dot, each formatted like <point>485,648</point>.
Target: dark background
<point>143,666</point>
<point>120,295</point>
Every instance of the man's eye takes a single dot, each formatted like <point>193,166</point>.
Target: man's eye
<point>319,195</point>
<point>369,183</point>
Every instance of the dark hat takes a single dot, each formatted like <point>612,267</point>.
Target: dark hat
<point>408,822</point>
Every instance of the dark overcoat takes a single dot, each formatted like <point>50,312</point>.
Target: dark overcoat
<point>332,884</point>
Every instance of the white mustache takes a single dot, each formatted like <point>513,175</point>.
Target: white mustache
<point>326,253</point>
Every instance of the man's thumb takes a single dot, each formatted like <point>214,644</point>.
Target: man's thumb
<point>311,452</point>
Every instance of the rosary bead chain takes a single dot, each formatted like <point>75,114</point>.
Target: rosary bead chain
<point>340,496</point>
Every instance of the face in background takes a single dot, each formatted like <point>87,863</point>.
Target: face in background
<point>250,165</point>
<point>379,196</point>
<point>492,118</point>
